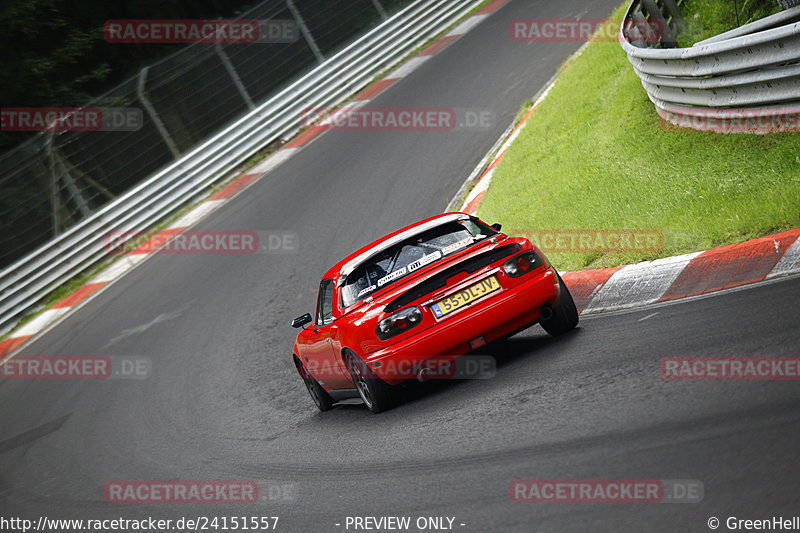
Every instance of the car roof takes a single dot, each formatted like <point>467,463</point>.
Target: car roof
<point>344,267</point>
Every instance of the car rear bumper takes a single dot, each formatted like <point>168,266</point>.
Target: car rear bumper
<point>484,321</point>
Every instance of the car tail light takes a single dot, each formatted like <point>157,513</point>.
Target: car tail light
<point>522,264</point>
<point>398,323</point>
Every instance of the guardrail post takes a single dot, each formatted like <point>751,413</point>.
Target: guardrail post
<point>673,9</point>
<point>304,30</point>
<point>55,201</point>
<point>234,76</point>
<point>641,27</point>
<point>667,38</point>
<point>73,189</point>
<point>153,115</point>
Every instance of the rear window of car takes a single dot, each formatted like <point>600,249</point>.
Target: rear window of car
<point>423,249</point>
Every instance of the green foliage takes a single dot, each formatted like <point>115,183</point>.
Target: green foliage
<point>53,52</point>
<point>706,18</point>
<point>607,162</point>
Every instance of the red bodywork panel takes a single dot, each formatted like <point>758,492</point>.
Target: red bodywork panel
<point>507,309</point>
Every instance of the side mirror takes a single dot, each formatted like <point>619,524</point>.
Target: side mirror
<point>301,321</point>
<point>497,226</point>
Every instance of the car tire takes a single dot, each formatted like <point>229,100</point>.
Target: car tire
<point>374,392</point>
<point>321,398</point>
<point>565,315</point>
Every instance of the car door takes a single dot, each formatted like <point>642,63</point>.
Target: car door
<point>322,359</point>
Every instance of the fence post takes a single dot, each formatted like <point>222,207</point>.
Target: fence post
<point>667,38</point>
<point>673,10</point>
<point>234,76</point>
<point>73,189</point>
<point>380,9</point>
<point>154,116</point>
<point>304,30</point>
<point>55,202</point>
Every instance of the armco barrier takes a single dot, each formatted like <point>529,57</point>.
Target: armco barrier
<point>744,80</point>
<point>25,283</point>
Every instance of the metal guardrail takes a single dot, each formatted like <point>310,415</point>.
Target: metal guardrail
<point>744,80</point>
<point>55,179</point>
<point>25,283</point>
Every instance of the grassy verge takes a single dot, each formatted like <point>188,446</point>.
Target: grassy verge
<point>594,155</point>
<point>706,18</point>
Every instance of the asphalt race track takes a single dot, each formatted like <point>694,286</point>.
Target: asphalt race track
<point>223,400</point>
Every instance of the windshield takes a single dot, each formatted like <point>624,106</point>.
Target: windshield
<point>410,255</point>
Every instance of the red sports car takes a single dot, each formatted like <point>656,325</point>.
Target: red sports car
<point>427,293</point>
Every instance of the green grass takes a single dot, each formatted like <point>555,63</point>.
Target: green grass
<point>594,155</point>
<point>706,18</point>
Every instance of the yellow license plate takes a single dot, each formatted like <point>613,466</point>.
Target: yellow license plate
<point>465,297</point>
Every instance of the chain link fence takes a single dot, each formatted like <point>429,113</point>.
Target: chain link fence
<point>55,180</point>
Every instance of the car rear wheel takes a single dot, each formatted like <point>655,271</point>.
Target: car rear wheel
<point>321,399</point>
<point>375,393</point>
<point>565,316</point>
